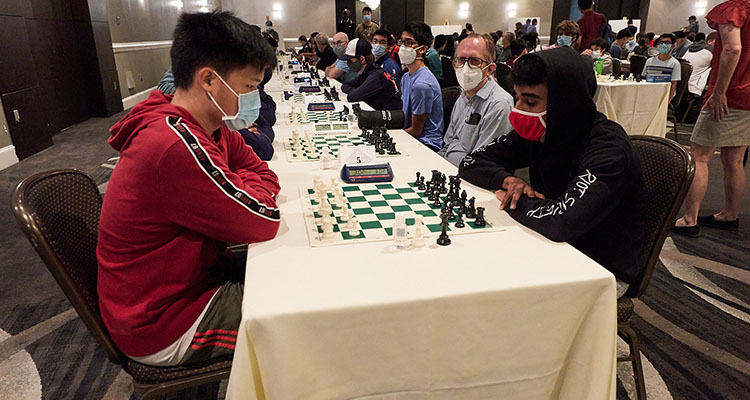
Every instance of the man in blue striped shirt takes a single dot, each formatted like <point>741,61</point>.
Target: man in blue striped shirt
<point>664,63</point>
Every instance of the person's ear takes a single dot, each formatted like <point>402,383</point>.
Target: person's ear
<point>205,78</point>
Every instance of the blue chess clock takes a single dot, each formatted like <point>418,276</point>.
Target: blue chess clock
<point>367,173</point>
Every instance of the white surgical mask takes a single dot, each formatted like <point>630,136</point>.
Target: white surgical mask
<point>248,108</point>
<point>596,54</point>
<point>469,77</point>
<point>407,54</point>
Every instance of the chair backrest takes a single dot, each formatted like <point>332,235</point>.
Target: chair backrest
<point>637,63</point>
<point>616,66</point>
<point>449,74</point>
<point>679,94</point>
<point>504,75</point>
<point>450,95</point>
<point>668,170</point>
<point>58,211</point>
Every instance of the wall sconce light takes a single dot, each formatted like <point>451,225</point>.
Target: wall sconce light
<point>277,11</point>
<point>463,10</point>
<point>511,10</point>
<point>373,3</point>
<point>700,8</point>
<point>176,4</point>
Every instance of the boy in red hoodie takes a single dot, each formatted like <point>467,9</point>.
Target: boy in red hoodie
<point>169,291</point>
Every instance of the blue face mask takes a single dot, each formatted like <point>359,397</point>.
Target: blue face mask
<point>378,50</point>
<point>367,17</point>
<point>664,48</point>
<point>564,40</point>
<point>248,108</point>
<point>269,28</point>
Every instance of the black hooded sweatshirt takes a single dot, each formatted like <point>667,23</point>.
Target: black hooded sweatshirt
<point>587,169</point>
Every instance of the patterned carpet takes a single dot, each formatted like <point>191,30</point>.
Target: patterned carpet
<point>693,321</point>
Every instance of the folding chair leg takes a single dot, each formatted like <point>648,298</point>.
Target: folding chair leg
<point>631,339</point>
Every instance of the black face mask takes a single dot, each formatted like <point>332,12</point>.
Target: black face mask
<point>642,42</point>
<point>354,66</point>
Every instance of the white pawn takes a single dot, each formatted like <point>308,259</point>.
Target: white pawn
<point>351,226</point>
<point>327,228</point>
<point>345,215</point>
<point>418,234</point>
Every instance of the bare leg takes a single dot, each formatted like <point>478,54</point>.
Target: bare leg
<point>734,182</point>
<point>701,155</point>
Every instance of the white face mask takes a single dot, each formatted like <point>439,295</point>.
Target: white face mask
<point>407,54</point>
<point>469,77</point>
<point>596,54</point>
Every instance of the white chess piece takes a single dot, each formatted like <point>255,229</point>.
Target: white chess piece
<point>351,226</point>
<point>418,234</point>
<point>345,214</point>
<point>327,228</point>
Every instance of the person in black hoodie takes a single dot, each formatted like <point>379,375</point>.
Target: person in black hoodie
<point>586,179</point>
<point>373,85</point>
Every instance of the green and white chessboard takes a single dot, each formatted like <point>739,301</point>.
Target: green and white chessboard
<point>334,142</point>
<point>375,207</point>
<point>311,117</point>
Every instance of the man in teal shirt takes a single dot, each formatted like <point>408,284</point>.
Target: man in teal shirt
<point>432,60</point>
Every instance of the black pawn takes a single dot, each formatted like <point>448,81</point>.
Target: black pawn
<point>463,196</point>
<point>460,220</point>
<point>480,217</point>
<point>416,182</point>
<point>443,239</point>
<point>421,185</point>
<point>437,202</point>
<point>470,211</point>
<point>428,189</point>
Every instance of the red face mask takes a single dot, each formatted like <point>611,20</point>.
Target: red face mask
<point>530,126</point>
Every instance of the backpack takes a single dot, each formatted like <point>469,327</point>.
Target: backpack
<point>605,31</point>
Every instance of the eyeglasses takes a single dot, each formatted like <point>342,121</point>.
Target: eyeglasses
<point>475,62</point>
<point>340,43</point>
<point>407,42</point>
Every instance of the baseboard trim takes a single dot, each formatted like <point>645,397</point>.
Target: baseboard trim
<point>130,101</point>
<point>8,156</point>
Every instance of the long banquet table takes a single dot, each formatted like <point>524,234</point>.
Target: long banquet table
<point>639,107</point>
<point>495,315</point>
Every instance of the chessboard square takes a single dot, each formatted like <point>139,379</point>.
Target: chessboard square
<point>382,210</point>
<point>388,191</point>
<point>367,217</point>
<point>384,186</point>
<point>397,202</point>
<point>363,211</point>
<point>474,226</point>
<point>386,216</point>
<point>378,203</point>
<point>426,213</point>
<point>410,195</point>
<point>391,196</point>
<point>414,201</point>
<point>434,227</point>
<point>310,191</point>
<point>370,225</point>
<point>401,208</point>
<point>356,199</point>
<point>389,231</point>
<point>335,228</point>
<point>405,190</point>
<point>347,236</point>
<point>410,221</point>
<point>370,192</point>
<point>350,188</point>
<point>374,197</point>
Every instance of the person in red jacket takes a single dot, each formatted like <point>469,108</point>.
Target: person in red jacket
<point>186,184</point>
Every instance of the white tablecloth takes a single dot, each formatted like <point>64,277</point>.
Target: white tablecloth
<point>496,315</point>
<point>639,107</point>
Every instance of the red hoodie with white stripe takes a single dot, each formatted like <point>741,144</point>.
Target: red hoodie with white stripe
<point>177,195</point>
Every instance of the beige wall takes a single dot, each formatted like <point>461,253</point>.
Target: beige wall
<point>299,17</point>
<point>4,132</point>
<point>144,21</point>
<point>487,15</point>
<point>671,15</point>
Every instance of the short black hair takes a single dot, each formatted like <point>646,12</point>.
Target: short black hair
<point>630,22</point>
<point>584,4</point>
<point>692,17</point>
<point>302,38</point>
<point>669,36</point>
<point>385,33</point>
<point>517,46</point>
<point>600,43</point>
<point>421,32</point>
<point>469,27</point>
<point>529,70</point>
<point>700,36</point>
<point>365,9</point>
<point>624,33</point>
<point>679,34</point>
<point>533,21</point>
<point>650,35</point>
<point>218,40</point>
<point>439,41</point>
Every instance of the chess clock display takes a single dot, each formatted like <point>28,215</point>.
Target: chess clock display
<point>367,173</point>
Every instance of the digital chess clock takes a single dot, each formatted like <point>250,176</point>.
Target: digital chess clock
<point>309,89</point>
<point>367,173</point>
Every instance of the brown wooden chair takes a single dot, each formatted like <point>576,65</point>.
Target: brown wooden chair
<point>59,213</point>
<point>668,170</point>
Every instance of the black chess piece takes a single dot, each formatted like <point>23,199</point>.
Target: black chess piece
<point>444,210</point>
<point>443,239</point>
<point>428,190</point>
<point>463,196</point>
<point>392,149</point>
<point>421,185</point>
<point>470,211</point>
<point>459,220</point>
<point>451,214</point>
<point>416,182</point>
<point>480,217</point>
<point>346,110</point>
<point>436,203</point>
